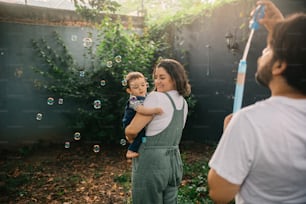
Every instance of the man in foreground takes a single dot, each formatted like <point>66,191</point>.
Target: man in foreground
<point>261,157</point>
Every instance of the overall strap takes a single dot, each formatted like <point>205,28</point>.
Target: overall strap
<point>172,102</point>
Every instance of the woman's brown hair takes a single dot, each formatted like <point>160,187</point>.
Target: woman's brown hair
<point>177,73</point>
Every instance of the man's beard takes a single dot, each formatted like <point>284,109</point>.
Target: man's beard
<point>264,75</point>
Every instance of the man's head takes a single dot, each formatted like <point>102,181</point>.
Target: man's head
<point>286,50</point>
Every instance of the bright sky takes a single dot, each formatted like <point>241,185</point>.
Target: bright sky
<point>68,4</point>
<point>61,4</point>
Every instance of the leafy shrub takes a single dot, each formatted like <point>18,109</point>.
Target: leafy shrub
<point>117,53</point>
<point>194,188</point>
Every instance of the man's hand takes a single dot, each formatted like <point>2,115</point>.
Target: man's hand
<point>272,14</point>
<point>226,121</point>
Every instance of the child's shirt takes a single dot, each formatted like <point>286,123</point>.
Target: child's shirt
<point>130,109</point>
<point>135,101</point>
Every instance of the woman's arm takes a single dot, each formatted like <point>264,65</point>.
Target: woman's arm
<point>148,111</point>
<point>137,124</point>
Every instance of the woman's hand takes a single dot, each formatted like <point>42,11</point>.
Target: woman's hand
<point>137,124</point>
<point>130,140</point>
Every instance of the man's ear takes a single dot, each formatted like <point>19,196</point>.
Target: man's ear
<point>279,67</point>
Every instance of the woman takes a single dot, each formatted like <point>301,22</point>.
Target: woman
<point>157,172</point>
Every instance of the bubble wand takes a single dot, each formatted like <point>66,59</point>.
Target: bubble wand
<point>259,13</point>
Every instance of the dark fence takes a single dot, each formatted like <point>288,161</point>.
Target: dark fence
<point>213,68</point>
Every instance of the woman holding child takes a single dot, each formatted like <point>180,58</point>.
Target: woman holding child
<point>157,171</point>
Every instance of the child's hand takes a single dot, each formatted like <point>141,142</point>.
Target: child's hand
<point>159,111</point>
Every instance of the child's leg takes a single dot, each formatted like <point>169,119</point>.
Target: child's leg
<point>130,154</point>
<point>133,148</point>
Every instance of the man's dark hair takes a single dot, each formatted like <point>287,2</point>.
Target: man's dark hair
<point>288,42</point>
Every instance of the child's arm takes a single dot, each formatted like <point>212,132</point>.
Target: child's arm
<point>137,105</point>
<point>148,111</point>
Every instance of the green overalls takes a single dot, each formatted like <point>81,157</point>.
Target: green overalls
<point>158,170</point>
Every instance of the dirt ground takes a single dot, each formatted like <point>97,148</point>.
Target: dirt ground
<point>54,174</point>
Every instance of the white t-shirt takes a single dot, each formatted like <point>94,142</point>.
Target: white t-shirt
<point>158,99</point>
<point>263,149</point>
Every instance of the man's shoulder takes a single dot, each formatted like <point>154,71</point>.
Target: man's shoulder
<point>262,104</point>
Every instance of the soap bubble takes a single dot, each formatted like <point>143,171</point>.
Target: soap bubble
<point>96,148</point>
<point>123,142</point>
<point>39,116</point>
<point>109,64</point>
<point>97,104</point>
<point>60,101</point>
<point>118,59</point>
<point>124,82</point>
<point>82,73</point>
<point>77,136</point>
<point>74,37</point>
<point>87,42</point>
<point>102,82</point>
<point>50,101</point>
<point>67,145</point>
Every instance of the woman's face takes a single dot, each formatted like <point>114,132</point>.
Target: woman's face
<point>163,81</point>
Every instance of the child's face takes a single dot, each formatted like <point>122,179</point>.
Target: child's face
<point>138,87</point>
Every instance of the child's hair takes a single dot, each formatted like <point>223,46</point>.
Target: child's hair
<point>132,76</point>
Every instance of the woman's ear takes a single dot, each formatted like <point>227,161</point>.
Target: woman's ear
<point>279,67</point>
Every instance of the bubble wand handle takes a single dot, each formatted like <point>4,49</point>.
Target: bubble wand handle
<point>259,13</point>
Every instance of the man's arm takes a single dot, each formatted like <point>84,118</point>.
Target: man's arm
<point>220,190</point>
<point>272,15</point>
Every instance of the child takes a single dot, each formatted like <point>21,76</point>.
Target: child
<point>137,88</point>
